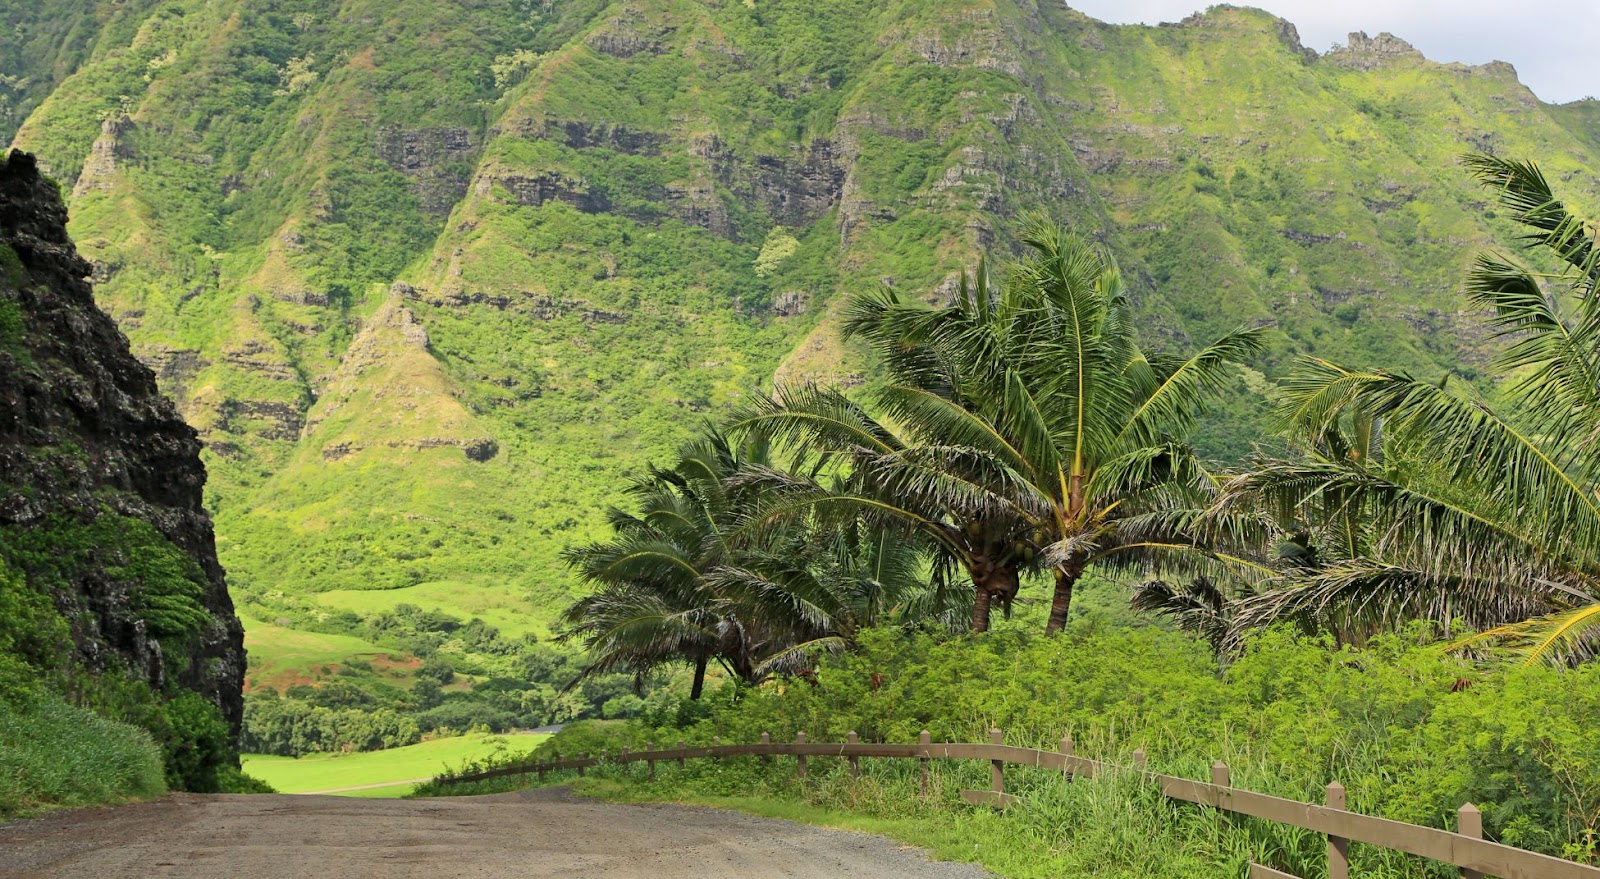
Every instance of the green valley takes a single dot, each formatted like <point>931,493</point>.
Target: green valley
<point>430,278</point>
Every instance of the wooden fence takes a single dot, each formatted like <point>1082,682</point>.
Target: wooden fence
<point>1465,847</point>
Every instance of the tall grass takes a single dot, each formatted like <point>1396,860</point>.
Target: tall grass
<point>54,754</point>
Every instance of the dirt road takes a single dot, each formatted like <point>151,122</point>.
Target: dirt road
<point>526,834</point>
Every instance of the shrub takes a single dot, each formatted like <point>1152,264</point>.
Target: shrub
<point>292,728</point>
<point>626,705</point>
<point>460,715</point>
<point>195,744</point>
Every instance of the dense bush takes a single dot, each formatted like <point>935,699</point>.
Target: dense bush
<point>462,715</point>
<point>33,636</point>
<point>37,662</point>
<point>1410,733</point>
<point>195,743</point>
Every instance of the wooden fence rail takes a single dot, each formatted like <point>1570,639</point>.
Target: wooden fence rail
<point>1465,848</point>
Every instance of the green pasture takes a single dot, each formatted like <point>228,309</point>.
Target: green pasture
<point>324,772</point>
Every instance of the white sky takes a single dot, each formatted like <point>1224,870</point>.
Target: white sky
<point>1554,44</point>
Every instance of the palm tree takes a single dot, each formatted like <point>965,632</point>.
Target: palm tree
<point>1199,607</point>
<point>685,579</point>
<point>1426,501</point>
<point>654,604</point>
<point>820,588</point>
<point>1029,427</point>
<point>867,472</point>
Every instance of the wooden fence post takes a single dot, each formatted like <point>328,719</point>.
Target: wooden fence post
<point>766,739</point>
<point>1139,759</point>
<point>997,773</point>
<point>1066,748</point>
<point>1469,822</point>
<point>679,746</point>
<point>1338,846</point>
<point>800,759</point>
<point>582,755</point>
<point>925,740</point>
<point>855,762</point>
<point>1220,775</point>
<point>650,761</point>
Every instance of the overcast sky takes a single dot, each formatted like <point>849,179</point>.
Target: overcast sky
<point>1554,44</point>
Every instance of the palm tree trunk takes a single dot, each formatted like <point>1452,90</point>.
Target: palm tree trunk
<point>980,607</point>
<point>990,581</point>
<point>699,677</point>
<point>1061,603</point>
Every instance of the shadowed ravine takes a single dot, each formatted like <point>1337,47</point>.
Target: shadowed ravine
<point>527,834</point>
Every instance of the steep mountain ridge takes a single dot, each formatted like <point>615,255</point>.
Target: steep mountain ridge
<point>428,276</point>
<point>107,557</point>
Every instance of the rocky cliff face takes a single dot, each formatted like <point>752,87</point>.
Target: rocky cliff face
<point>100,480</point>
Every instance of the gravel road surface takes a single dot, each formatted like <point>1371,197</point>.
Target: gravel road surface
<point>544,832</point>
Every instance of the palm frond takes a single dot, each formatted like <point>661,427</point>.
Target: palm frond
<point>1198,607</point>
<point>1177,398</point>
<point>1523,189</point>
<point>1548,489</point>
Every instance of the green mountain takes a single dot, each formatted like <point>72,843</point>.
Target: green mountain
<point>428,277</point>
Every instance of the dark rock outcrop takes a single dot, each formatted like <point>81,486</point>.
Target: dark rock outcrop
<point>434,161</point>
<point>1370,53</point>
<point>1289,36</point>
<point>87,440</point>
<point>605,135</point>
<point>795,190</point>
<point>535,190</point>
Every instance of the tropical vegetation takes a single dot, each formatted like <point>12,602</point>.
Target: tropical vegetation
<point>54,754</point>
<point>574,231</point>
<point>691,576</point>
<point>1411,734</point>
<point>1422,498</point>
<point>1353,594</point>
<point>1021,431</point>
<point>1023,428</point>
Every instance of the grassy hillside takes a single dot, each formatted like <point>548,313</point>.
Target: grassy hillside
<point>428,275</point>
<point>423,760</point>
